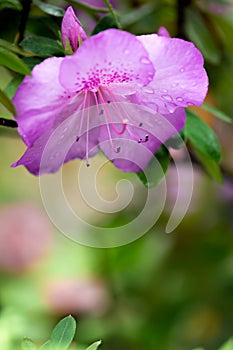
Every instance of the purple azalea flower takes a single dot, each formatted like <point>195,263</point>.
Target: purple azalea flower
<point>123,93</point>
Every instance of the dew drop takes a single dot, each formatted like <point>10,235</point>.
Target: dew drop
<point>167,97</point>
<point>171,109</point>
<point>164,90</point>
<point>182,70</point>
<point>144,60</point>
<point>179,99</point>
<point>148,90</point>
<point>126,52</point>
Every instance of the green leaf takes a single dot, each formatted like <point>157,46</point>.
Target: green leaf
<point>94,346</point>
<point>11,61</point>
<point>49,9</point>
<point>228,345</point>
<point>63,334</point>
<point>28,344</point>
<point>41,46</point>
<point>13,85</point>
<point>217,113</point>
<point>7,102</point>
<point>202,137</point>
<point>45,346</point>
<point>177,141</point>
<point>12,4</point>
<point>211,167</point>
<point>156,170</point>
<point>224,28</point>
<point>200,34</point>
<point>31,62</point>
<point>13,48</point>
<point>105,23</point>
<point>138,14</point>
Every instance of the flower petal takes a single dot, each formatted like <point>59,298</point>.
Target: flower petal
<point>134,155</point>
<point>39,99</point>
<point>112,56</point>
<point>72,29</point>
<point>59,144</point>
<point>180,78</point>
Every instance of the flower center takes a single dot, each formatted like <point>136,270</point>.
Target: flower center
<point>116,119</point>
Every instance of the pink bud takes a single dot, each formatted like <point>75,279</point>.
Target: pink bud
<point>72,30</point>
<point>163,32</point>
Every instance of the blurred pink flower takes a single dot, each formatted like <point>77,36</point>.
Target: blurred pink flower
<point>77,296</point>
<point>25,236</point>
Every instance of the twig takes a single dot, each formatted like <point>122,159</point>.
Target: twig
<point>8,123</point>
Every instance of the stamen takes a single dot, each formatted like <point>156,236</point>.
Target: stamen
<point>106,114</point>
<point>125,121</point>
<point>96,102</point>
<point>145,139</point>
<point>82,116</point>
<point>87,137</point>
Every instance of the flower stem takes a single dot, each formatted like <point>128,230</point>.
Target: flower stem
<point>181,7</point>
<point>26,4</point>
<point>111,10</point>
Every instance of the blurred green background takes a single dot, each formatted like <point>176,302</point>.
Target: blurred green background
<point>164,291</point>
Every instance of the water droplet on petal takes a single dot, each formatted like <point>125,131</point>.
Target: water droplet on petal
<point>179,99</point>
<point>148,90</point>
<point>164,90</point>
<point>182,70</point>
<point>171,108</point>
<point>175,84</point>
<point>145,60</point>
<point>167,97</point>
<point>126,52</point>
